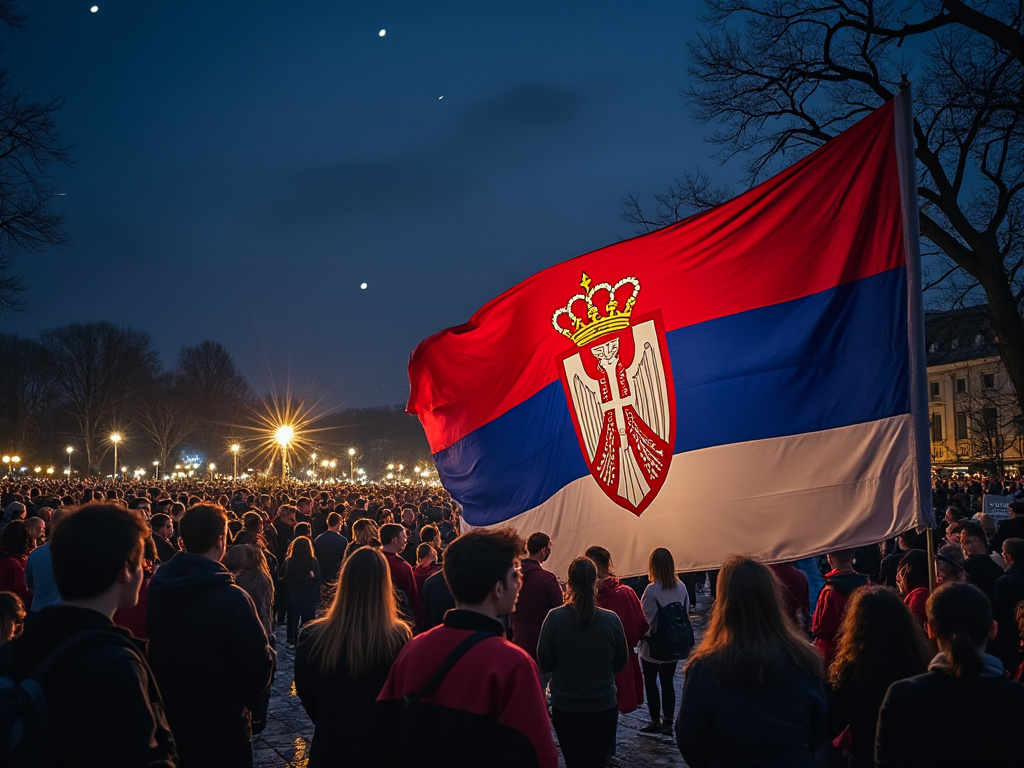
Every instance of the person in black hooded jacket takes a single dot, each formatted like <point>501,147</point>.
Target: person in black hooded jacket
<point>208,648</point>
<point>103,702</point>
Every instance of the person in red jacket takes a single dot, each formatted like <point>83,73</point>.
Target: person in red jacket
<point>393,538</point>
<point>828,613</point>
<point>488,709</point>
<point>538,595</point>
<point>614,596</point>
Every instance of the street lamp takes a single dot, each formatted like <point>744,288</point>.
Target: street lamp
<point>69,450</point>
<point>213,468</point>
<point>284,436</point>
<point>115,438</point>
<point>235,448</point>
<point>352,463</point>
<point>156,470</point>
<point>334,465</point>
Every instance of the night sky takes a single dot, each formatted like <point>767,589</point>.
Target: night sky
<point>243,167</point>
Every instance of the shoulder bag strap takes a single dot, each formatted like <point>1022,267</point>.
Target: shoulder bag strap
<point>446,666</point>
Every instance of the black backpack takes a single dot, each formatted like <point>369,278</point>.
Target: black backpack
<point>24,716</point>
<point>673,637</point>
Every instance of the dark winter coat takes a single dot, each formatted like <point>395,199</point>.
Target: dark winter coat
<point>211,658</point>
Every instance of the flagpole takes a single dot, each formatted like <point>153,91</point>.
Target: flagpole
<point>906,162</point>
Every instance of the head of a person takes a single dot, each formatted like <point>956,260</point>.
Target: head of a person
<point>973,540</point>
<point>912,572</point>
<point>287,514</point>
<point>393,537</point>
<point>661,568</point>
<point>842,559</point>
<point>953,513</point>
<point>479,565</point>
<point>14,539</point>
<point>240,557</point>
<point>162,525</point>
<point>96,547</point>
<point>538,546</point>
<point>880,641</point>
<point>204,529</point>
<point>333,521</point>
<point>35,526</point>
<point>988,525</point>
<point>364,532</point>
<point>953,531</point>
<point>300,548</point>
<point>408,517</point>
<point>602,559</point>
<point>304,505</point>
<point>12,616</point>
<point>15,511</point>
<point>140,503</point>
<point>303,529</point>
<point>749,627</point>
<point>362,624</point>
<point>253,522</point>
<point>581,589</point>
<point>948,570</point>
<point>960,621</point>
<point>431,534</point>
<point>1013,551</point>
<point>1016,508</point>
<point>425,554</point>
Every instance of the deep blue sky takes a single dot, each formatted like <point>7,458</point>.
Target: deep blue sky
<point>241,167</point>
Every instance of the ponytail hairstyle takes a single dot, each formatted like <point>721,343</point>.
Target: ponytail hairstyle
<point>960,618</point>
<point>581,590</point>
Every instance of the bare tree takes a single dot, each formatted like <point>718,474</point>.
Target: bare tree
<point>166,416</point>
<point>30,149</point>
<point>218,392</point>
<point>26,392</point>
<point>781,77</point>
<point>98,368</point>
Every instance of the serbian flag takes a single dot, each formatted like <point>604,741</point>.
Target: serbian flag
<point>749,380</point>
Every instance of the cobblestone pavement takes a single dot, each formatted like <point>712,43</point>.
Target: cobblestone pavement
<point>285,742</point>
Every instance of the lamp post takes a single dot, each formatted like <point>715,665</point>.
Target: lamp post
<point>352,463</point>
<point>115,438</point>
<point>156,469</point>
<point>334,465</point>
<point>213,468</point>
<point>235,448</point>
<point>69,450</point>
<point>284,436</point>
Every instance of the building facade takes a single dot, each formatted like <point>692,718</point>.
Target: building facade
<point>975,422</point>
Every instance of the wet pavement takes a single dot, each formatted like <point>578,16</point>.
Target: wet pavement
<point>285,742</point>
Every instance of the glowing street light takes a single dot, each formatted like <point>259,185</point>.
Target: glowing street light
<point>213,468</point>
<point>352,463</point>
<point>69,450</point>
<point>284,436</point>
<point>156,470</point>
<point>235,448</point>
<point>115,438</point>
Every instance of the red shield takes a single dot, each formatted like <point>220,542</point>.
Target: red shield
<point>622,401</point>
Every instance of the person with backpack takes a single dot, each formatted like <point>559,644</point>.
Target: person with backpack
<point>666,605</point>
<point>96,702</point>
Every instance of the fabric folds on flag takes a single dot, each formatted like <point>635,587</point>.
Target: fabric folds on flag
<point>749,380</point>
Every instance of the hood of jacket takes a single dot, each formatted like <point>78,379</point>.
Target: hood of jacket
<point>186,575</point>
<point>845,581</point>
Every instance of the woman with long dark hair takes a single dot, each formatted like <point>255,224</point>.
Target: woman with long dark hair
<point>300,582</point>
<point>754,691</point>
<point>583,646</point>
<point>880,642</point>
<point>342,659</point>
<point>968,683</point>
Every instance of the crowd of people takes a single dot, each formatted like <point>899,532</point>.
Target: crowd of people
<point>147,616</point>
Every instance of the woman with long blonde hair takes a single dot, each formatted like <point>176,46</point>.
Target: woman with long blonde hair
<point>343,658</point>
<point>754,691</point>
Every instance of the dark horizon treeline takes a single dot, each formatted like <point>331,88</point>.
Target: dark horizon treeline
<point>78,383</point>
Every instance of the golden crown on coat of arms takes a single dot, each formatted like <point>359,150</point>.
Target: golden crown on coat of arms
<point>601,309</point>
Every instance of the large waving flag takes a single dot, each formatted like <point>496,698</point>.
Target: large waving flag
<point>749,380</point>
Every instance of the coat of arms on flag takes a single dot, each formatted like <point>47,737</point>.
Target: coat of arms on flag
<point>618,384</point>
